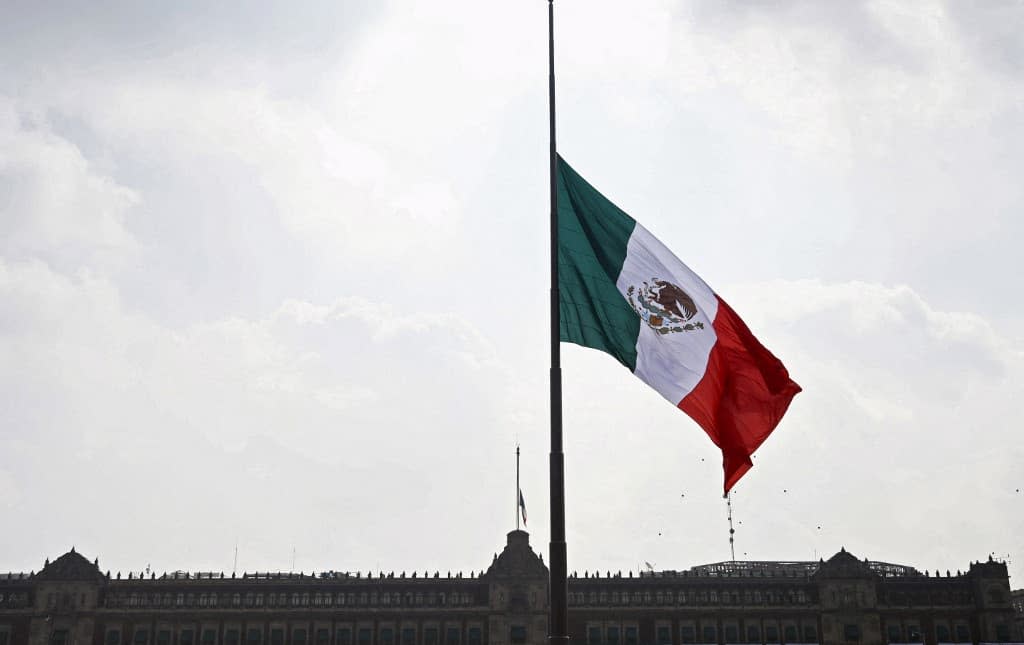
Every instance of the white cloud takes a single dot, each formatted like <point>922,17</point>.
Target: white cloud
<point>55,204</point>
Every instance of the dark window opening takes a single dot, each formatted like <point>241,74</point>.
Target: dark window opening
<point>732,633</point>
<point>517,634</point>
<point>475,636</point>
<point>613,636</point>
<point>631,636</point>
<point>408,636</point>
<point>687,634</point>
<point>451,637</point>
<point>710,634</point>
<point>789,631</point>
<point>253,637</point>
<point>430,636</point>
<point>851,632</point>
<point>753,634</point>
<point>771,634</point>
<point>387,636</point>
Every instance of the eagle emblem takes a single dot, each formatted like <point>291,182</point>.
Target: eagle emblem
<point>665,307</point>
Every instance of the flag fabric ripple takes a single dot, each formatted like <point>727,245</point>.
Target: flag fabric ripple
<point>624,293</point>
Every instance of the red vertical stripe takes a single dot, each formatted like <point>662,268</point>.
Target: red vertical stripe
<point>743,395</point>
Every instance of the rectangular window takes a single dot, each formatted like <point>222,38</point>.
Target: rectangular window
<point>365,636</point>
<point>451,636</point>
<point>732,634</point>
<point>913,634</point>
<point>185,637</point>
<point>163,637</point>
<point>753,634</point>
<point>344,636</point>
<point>664,635</point>
<point>323,636</point>
<point>710,634</point>
<point>408,636</point>
<point>113,638</point>
<point>141,637</point>
<point>475,636</point>
<point>430,636</point>
<point>387,636</point>
<point>277,637</point>
<point>771,634</point>
<point>299,637</point>
<point>892,632</point>
<point>517,634</point>
<point>613,636</point>
<point>687,634</point>
<point>594,636</point>
<point>59,637</point>
<point>231,637</point>
<point>209,637</point>
<point>942,633</point>
<point>790,633</point>
<point>851,632</point>
<point>253,636</point>
<point>963,634</point>
<point>4,638</point>
<point>631,636</point>
<point>810,634</point>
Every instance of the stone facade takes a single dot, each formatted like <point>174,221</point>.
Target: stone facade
<point>840,601</point>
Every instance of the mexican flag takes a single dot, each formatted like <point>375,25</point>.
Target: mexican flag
<point>623,292</point>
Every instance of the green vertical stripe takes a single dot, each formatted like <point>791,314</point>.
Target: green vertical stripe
<point>592,238</point>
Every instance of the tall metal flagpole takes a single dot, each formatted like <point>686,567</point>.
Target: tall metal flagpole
<point>559,623</point>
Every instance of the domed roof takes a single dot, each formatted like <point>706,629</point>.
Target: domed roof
<point>70,566</point>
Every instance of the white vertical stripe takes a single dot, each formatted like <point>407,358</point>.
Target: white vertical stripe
<point>671,363</point>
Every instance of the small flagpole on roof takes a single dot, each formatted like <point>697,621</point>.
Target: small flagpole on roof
<point>559,622</point>
<point>518,493</point>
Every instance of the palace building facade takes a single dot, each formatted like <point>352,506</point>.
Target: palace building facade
<point>843,600</point>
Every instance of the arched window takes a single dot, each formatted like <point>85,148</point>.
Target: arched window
<point>305,600</point>
<point>236,600</point>
<point>203,600</point>
<point>213,600</point>
<point>341,600</point>
<point>295,599</point>
<point>259,600</point>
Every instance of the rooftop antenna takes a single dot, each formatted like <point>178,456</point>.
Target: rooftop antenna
<point>732,531</point>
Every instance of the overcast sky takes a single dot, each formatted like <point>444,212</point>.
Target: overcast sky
<point>275,276</point>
